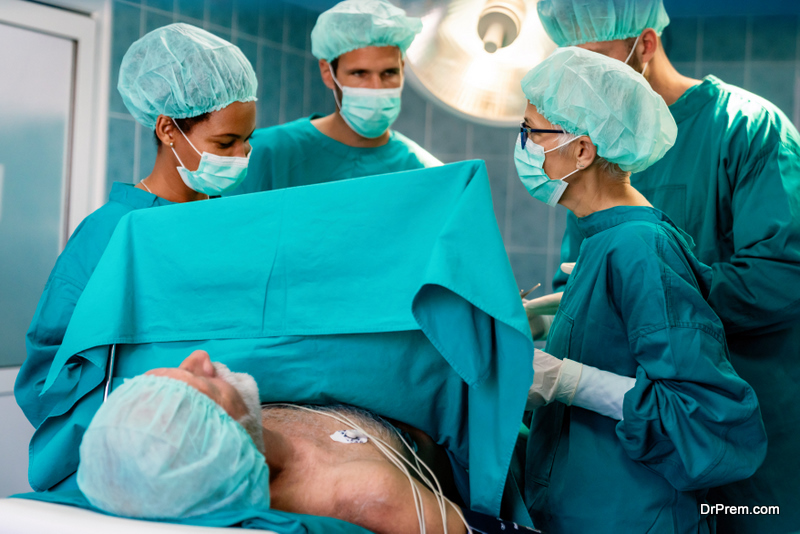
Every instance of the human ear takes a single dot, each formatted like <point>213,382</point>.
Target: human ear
<point>165,130</point>
<point>648,44</point>
<point>325,73</point>
<point>586,152</point>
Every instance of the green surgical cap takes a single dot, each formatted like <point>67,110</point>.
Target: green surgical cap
<point>587,93</point>
<point>183,71</point>
<point>574,22</point>
<point>160,449</point>
<point>355,24</point>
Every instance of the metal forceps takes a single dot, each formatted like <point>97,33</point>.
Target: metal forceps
<point>528,292</point>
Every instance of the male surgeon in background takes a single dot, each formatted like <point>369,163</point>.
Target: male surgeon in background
<point>360,46</point>
<point>732,181</point>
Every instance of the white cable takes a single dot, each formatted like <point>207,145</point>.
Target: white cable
<point>396,459</point>
<point>418,501</point>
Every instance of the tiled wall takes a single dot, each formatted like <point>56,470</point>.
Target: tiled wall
<point>760,54</point>
<point>273,35</point>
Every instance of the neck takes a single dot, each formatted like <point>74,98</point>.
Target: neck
<point>665,80</point>
<point>592,191</point>
<point>337,129</point>
<point>165,182</point>
<point>278,452</point>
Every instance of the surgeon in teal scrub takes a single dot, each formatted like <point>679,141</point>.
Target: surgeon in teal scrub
<point>360,46</point>
<point>732,181</point>
<point>637,409</point>
<point>202,132</point>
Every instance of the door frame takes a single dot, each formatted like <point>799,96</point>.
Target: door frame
<point>84,190</point>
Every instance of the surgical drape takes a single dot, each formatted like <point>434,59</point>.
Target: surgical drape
<point>392,293</point>
<point>62,291</point>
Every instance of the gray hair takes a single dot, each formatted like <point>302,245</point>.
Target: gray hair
<point>611,169</point>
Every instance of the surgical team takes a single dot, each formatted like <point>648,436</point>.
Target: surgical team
<point>670,374</point>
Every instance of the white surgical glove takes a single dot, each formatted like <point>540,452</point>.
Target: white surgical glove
<point>553,379</point>
<point>540,313</point>
<point>567,267</point>
<point>575,384</point>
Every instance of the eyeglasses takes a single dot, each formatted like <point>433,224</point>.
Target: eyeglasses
<point>523,133</point>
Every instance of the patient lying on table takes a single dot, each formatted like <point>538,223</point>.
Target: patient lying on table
<point>186,441</point>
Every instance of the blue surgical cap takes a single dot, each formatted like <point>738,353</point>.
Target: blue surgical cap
<point>574,22</point>
<point>587,93</point>
<point>160,449</point>
<point>355,24</point>
<point>183,71</point>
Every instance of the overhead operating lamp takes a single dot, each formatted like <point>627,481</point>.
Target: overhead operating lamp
<point>472,55</point>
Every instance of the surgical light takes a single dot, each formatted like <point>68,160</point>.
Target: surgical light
<point>472,55</point>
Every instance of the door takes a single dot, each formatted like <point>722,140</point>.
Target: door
<point>47,107</point>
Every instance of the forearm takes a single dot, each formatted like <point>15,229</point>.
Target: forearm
<point>748,295</point>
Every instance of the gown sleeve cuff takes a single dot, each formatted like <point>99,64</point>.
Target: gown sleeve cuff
<point>568,381</point>
<point>602,392</point>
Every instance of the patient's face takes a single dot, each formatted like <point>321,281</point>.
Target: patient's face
<point>198,371</point>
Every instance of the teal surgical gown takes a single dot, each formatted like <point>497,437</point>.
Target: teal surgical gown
<point>732,181</point>
<point>65,285</point>
<point>635,305</point>
<point>296,153</point>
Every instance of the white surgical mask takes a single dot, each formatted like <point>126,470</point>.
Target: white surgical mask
<point>246,385</point>
<point>215,174</point>
<point>368,112</point>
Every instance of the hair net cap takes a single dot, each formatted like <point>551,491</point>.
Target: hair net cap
<point>160,449</point>
<point>587,93</point>
<point>355,24</point>
<point>183,71</point>
<point>574,22</point>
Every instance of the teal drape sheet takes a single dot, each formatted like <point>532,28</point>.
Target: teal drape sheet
<point>392,293</point>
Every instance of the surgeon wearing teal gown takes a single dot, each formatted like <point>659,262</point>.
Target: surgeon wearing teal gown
<point>187,119</point>
<point>360,46</point>
<point>637,410</point>
<point>732,181</point>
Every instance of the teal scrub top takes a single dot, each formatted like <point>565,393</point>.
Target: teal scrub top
<point>635,305</point>
<point>65,285</point>
<point>296,153</point>
<point>732,181</point>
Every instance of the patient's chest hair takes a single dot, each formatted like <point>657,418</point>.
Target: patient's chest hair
<point>315,429</point>
<point>318,461</point>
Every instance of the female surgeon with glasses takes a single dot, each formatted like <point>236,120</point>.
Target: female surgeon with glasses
<point>197,93</point>
<point>637,411</point>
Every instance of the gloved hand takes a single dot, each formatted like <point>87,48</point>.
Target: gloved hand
<point>553,379</point>
<point>546,305</point>
<point>540,313</point>
<point>576,384</point>
<point>568,267</point>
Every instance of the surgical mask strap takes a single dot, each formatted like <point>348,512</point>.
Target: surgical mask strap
<point>636,42</point>
<point>335,97</point>
<point>562,144</point>
<point>570,174</point>
<point>559,146</point>
<point>187,139</point>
